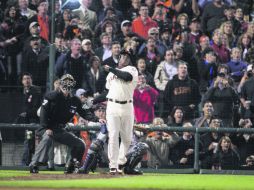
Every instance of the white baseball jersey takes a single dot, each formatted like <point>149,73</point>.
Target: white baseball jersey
<point>118,88</point>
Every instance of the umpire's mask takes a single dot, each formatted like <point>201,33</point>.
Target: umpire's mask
<point>67,83</point>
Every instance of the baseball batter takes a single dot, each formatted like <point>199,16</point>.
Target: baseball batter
<point>121,83</point>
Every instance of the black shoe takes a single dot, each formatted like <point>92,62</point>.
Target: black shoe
<point>34,169</point>
<point>133,171</point>
<point>72,167</point>
<point>69,169</point>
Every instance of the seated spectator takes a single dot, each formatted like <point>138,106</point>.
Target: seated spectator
<point>236,65</point>
<point>249,164</point>
<point>160,145</point>
<point>176,117</point>
<point>247,92</point>
<point>208,114</point>
<point>244,142</point>
<point>210,142</point>
<point>225,157</point>
<point>183,151</point>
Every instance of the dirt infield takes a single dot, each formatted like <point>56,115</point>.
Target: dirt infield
<point>61,176</point>
<point>58,177</point>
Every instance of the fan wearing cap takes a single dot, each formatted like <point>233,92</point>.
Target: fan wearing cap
<point>34,30</point>
<point>57,109</point>
<point>155,34</point>
<point>42,18</point>
<point>126,32</point>
<point>195,32</point>
<point>35,61</point>
<point>121,83</point>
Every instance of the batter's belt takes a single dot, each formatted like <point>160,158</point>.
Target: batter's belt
<point>119,102</point>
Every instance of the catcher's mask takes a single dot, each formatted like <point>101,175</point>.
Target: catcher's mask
<point>67,82</point>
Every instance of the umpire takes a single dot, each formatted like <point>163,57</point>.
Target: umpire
<point>57,109</point>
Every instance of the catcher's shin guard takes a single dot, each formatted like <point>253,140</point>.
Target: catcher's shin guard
<point>92,157</point>
<point>134,157</point>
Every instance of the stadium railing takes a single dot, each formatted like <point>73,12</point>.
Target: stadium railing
<point>149,128</point>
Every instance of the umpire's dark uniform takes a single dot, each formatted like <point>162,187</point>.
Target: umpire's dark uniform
<point>56,111</point>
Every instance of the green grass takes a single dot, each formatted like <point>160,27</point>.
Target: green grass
<point>153,181</point>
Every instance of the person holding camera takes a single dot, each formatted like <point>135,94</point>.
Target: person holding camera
<point>223,98</point>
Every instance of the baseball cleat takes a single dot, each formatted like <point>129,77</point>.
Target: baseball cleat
<point>112,171</point>
<point>34,169</point>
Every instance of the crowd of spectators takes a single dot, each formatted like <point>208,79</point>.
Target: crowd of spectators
<point>189,53</point>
